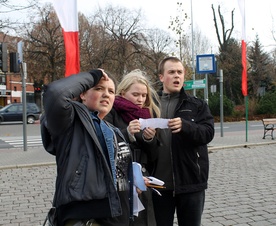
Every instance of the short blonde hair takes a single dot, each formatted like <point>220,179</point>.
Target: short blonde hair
<point>137,76</point>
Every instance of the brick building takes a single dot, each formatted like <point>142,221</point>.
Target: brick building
<point>11,83</point>
<point>11,89</point>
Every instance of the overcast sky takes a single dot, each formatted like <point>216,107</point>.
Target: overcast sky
<point>260,15</point>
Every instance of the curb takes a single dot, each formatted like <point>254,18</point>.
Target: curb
<point>210,150</point>
<point>245,145</point>
<point>27,165</point>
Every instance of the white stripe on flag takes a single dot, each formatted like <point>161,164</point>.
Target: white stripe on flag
<point>67,13</point>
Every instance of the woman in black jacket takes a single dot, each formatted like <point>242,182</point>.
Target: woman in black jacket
<point>94,166</point>
<point>134,100</point>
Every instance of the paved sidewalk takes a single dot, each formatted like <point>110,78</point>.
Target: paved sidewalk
<point>242,187</point>
<point>242,184</point>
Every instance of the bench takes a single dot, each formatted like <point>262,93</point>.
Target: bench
<point>269,124</point>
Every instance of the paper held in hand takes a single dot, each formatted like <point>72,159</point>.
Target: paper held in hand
<point>155,183</point>
<point>138,176</point>
<point>154,123</point>
<point>139,181</point>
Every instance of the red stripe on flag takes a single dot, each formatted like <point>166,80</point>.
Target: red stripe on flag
<point>244,69</point>
<point>72,61</point>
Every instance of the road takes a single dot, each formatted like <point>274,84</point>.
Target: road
<point>11,135</point>
<point>239,126</point>
<point>16,129</point>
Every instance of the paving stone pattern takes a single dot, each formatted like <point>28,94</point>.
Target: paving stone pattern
<point>25,195</point>
<point>242,189</point>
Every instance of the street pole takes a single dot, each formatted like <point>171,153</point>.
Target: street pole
<point>23,76</point>
<point>206,89</point>
<point>23,69</point>
<point>221,101</point>
<point>193,60</point>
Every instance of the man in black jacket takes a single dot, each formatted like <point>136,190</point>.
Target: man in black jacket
<point>183,162</point>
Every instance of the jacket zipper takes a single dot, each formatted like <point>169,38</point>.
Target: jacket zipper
<point>198,156</point>
<point>176,109</point>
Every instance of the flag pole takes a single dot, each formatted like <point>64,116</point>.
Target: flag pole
<point>246,118</point>
<point>244,64</point>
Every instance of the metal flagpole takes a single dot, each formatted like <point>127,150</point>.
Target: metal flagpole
<point>193,60</point>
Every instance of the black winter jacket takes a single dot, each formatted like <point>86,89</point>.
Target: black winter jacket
<point>142,151</point>
<point>189,152</point>
<point>84,175</point>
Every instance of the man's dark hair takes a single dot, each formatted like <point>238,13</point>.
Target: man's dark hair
<point>162,63</point>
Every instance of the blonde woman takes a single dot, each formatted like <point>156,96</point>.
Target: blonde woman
<point>135,98</point>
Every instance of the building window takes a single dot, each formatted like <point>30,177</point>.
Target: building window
<point>14,88</point>
<point>2,80</point>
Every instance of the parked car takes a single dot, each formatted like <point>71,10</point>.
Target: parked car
<point>14,112</point>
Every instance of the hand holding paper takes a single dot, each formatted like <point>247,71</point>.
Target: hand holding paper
<point>138,177</point>
<point>139,183</point>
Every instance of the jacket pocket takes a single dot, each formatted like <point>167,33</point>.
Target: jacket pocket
<point>78,180</point>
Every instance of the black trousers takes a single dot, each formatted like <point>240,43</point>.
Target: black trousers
<point>189,208</point>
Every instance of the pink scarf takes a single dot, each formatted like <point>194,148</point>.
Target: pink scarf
<point>129,111</point>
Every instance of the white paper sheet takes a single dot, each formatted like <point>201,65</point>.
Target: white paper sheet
<point>137,204</point>
<point>161,123</point>
<point>154,180</point>
<point>138,179</point>
<point>139,183</point>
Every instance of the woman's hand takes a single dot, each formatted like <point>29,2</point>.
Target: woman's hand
<point>146,180</point>
<point>105,76</point>
<point>134,126</point>
<point>149,133</point>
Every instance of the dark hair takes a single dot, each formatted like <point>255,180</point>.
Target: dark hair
<point>162,63</point>
<point>113,79</point>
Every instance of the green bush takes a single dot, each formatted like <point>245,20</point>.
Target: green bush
<point>267,104</point>
<point>214,105</point>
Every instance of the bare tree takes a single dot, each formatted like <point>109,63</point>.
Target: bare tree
<point>229,58</point>
<point>7,7</point>
<point>225,35</point>
<point>95,44</point>
<point>186,38</point>
<point>44,45</point>
<point>112,38</point>
<point>155,48</point>
<point>177,26</point>
<point>125,28</point>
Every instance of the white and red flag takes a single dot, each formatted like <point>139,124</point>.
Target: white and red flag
<point>68,17</point>
<point>244,61</point>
